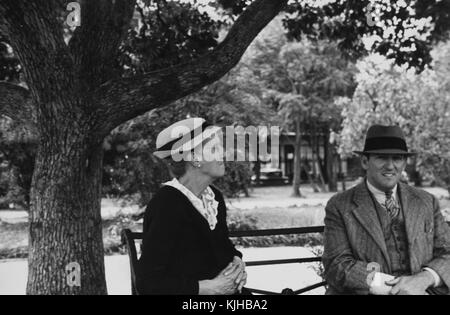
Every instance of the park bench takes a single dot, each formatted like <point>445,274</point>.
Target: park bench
<point>129,238</point>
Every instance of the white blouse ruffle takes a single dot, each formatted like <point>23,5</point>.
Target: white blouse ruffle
<point>207,205</point>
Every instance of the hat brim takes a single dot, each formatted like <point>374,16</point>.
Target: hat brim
<point>386,152</point>
<point>190,145</point>
<point>162,154</point>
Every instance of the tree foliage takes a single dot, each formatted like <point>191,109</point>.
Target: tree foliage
<point>168,33</point>
<point>131,169</point>
<point>403,30</point>
<point>418,103</point>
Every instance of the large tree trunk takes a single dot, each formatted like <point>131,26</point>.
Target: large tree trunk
<point>65,220</point>
<point>75,97</point>
<point>297,159</point>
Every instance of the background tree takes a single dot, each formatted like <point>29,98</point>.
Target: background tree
<point>302,79</point>
<point>319,73</point>
<point>17,148</point>
<point>418,103</point>
<point>17,153</point>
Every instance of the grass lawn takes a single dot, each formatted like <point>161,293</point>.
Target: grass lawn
<point>14,237</point>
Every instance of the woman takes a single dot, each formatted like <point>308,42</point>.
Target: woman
<point>186,249</point>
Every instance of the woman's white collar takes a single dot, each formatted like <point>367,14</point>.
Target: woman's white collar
<point>207,204</point>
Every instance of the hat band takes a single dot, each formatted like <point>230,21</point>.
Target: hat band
<point>199,130</point>
<point>383,143</point>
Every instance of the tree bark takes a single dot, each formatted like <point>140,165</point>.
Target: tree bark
<point>344,188</point>
<point>311,180</point>
<point>316,158</point>
<point>123,99</point>
<point>94,45</point>
<point>416,177</point>
<point>331,164</point>
<point>325,155</point>
<point>65,221</point>
<point>297,159</point>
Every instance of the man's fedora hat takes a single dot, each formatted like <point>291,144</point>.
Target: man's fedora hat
<point>183,136</point>
<point>385,140</point>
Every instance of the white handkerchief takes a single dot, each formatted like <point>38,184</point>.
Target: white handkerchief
<point>378,286</point>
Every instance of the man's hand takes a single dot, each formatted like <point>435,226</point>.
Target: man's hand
<point>378,285</point>
<point>411,285</point>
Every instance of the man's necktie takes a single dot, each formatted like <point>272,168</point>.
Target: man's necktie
<point>391,205</point>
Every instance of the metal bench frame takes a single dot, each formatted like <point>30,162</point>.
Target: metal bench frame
<point>129,238</point>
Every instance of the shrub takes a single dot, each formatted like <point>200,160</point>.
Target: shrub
<point>242,222</point>
<point>236,180</point>
<point>247,222</point>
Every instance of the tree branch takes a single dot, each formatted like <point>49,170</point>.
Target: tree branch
<point>124,99</point>
<point>95,43</point>
<point>373,100</point>
<point>15,103</point>
<point>36,36</point>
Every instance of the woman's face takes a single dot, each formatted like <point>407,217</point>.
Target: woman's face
<point>212,162</point>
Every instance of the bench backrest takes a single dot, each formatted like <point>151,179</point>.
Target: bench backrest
<point>129,238</point>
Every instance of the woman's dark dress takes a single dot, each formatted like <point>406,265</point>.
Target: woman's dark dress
<point>179,248</point>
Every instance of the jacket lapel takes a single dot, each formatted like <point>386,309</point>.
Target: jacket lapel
<point>197,219</point>
<point>366,214</point>
<point>414,220</point>
<point>203,227</point>
<point>194,216</point>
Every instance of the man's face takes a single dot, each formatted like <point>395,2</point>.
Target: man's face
<point>384,171</point>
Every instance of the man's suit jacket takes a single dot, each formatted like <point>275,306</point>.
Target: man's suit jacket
<point>354,238</point>
<point>179,248</point>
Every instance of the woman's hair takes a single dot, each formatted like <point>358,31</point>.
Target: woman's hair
<point>177,169</point>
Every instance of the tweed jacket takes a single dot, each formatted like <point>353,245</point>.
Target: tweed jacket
<point>354,238</point>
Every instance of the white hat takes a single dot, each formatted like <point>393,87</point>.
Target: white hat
<point>183,136</point>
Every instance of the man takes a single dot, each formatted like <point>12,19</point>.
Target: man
<point>383,236</point>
